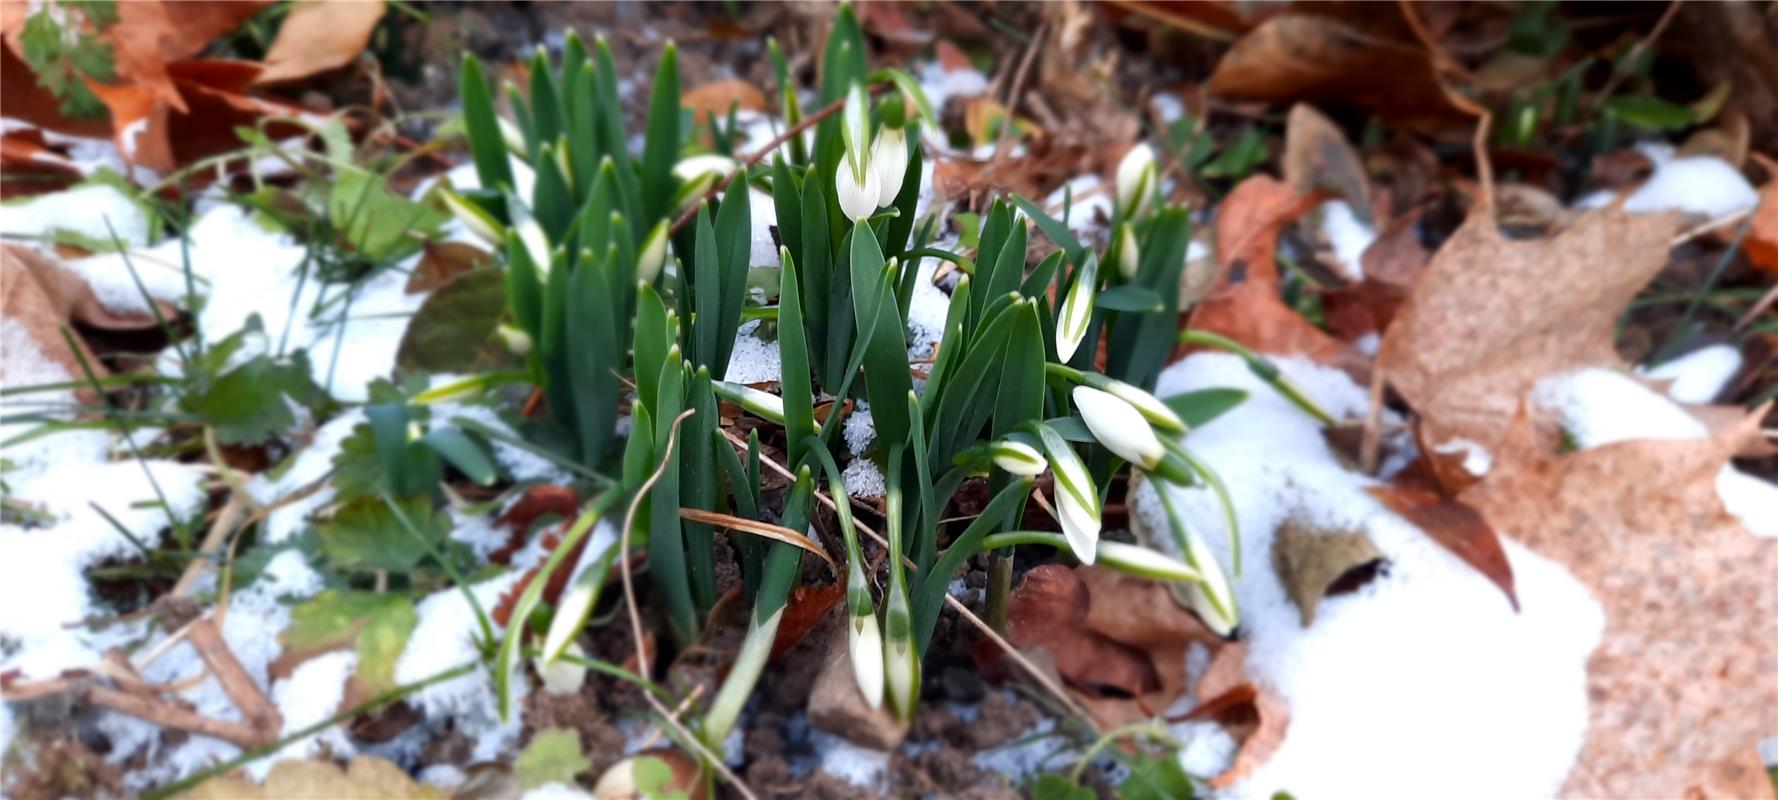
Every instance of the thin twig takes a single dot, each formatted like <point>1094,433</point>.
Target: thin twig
<point>1759,308</point>
<point>256,709</point>
<point>168,715</point>
<point>642,655</point>
<point>691,212</point>
<point>1635,52</point>
<point>1012,96</point>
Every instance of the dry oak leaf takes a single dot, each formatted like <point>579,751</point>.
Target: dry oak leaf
<point>365,778</point>
<point>1491,316</point>
<point>150,35</point>
<point>42,297</point>
<point>1457,527</point>
<point>28,166</point>
<point>1684,682</point>
<point>320,35</point>
<point>1244,303</point>
<point>1392,265</point>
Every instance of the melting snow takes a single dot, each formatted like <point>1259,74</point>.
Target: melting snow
<point>1704,185</point>
<point>1370,683</point>
<point>754,360</point>
<point>1348,236</point>
<point>1699,376</point>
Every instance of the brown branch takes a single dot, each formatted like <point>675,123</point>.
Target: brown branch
<point>256,708</point>
<point>168,715</point>
<point>691,212</point>
<point>1636,51</point>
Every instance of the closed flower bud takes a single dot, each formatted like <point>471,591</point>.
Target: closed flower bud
<point>477,221</point>
<point>858,191</point>
<point>1080,526</point>
<point>697,174</point>
<point>1118,426</point>
<point>1018,458</point>
<point>1147,562</point>
<point>1151,407</point>
<point>654,253</point>
<point>1135,181</point>
<point>1210,595</point>
<point>889,159</point>
<point>865,641</point>
<point>1129,254</point>
<point>1077,310</point>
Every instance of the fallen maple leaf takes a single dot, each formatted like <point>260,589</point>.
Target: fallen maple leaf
<point>150,35</point>
<point>1682,685</point>
<point>1252,714</point>
<point>1491,315</point>
<point>1244,303</point>
<point>1317,158</point>
<point>1392,266</point>
<point>442,261</point>
<point>319,35</point>
<point>28,166</point>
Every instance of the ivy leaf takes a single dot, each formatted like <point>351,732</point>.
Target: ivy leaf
<point>365,535</point>
<point>553,756</point>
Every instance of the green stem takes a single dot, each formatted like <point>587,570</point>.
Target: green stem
<point>1261,367</point>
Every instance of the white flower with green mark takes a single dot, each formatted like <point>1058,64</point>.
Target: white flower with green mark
<point>1119,426</point>
<point>1077,309</point>
<point>1077,499</point>
<point>1209,595</point>
<point>889,159</point>
<point>477,221</point>
<point>857,192</point>
<point>1135,181</point>
<point>1151,407</point>
<point>1017,458</point>
<point>1128,252</point>
<point>654,253</point>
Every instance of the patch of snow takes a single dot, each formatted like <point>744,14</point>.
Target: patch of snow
<point>863,480</point>
<point>1090,199</point>
<point>1476,458</point>
<point>78,211</point>
<point>1168,106</point>
<point>1699,376</point>
<point>311,694</point>
<point>444,776</point>
<point>1704,185</point>
<point>754,360</point>
<point>859,429</point>
<point>1208,749</point>
<point>1035,751</point>
<point>1359,724</point>
<point>556,791</point>
<point>926,312</point>
<point>311,464</point>
<point>940,84</point>
<point>1768,751</point>
<point>523,465</point>
<point>859,766</point>
<point>733,750</point>
<point>1348,236</point>
<point>1749,499</point>
<point>764,215</point>
<point>1366,344</point>
<point>446,637</point>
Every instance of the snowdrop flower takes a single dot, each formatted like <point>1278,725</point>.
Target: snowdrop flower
<point>1135,180</point>
<point>889,159</point>
<point>477,221</point>
<point>901,673</point>
<point>865,641</point>
<point>1209,595</point>
<point>1147,562</point>
<point>1018,458</point>
<point>1129,254</point>
<point>1119,426</point>
<point>1077,499</point>
<point>858,193</point>
<point>512,136</point>
<point>698,173</point>
<point>1077,310</point>
<point>654,253</point>
<point>517,341</point>
<point>1151,407</point>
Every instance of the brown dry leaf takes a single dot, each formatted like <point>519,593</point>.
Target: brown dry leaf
<point>37,293</point>
<point>159,135</point>
<point>984,116</point>
<point>1313,563</point>
<point>365,778</point>
<point>1392,265</point>
<point>320,35</point>
<point>21,98</point>
<point>714,99</point>
<point>1761,244</point>
<point>805,609</point>
<point>1049,609</point>
<point>1491,316</point>
<point>1253,714</point>
<point>28,166</point>
<point>1319,59</point>
<point>1317,158</point>
<point>1457,527</point>
<point>442,261</point>
<point>1244,304</point>
<point>152,34</point>
<point>1681,687</point>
